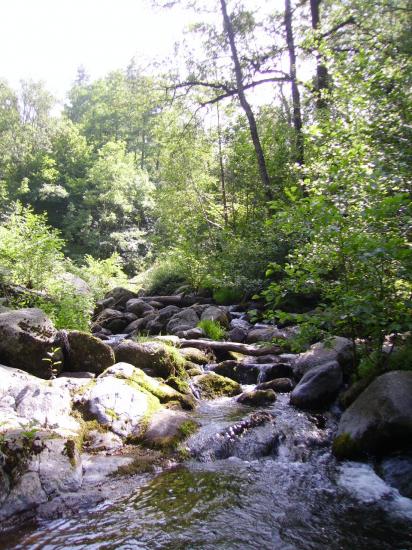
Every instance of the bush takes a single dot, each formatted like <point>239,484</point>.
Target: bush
<point>30,250</point>
<point>163,278</point>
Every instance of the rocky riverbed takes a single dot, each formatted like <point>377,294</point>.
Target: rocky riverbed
<point>128,422</point>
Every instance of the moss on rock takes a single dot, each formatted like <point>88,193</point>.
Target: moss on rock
<point>211,385</point>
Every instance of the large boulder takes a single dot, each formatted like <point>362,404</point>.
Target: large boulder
<point>138,306</point>
<point>121,406</point>
<point>335,349</point>
<point>113,320</point>
<point>29,401</point>
<point>217,314</point>
<point>211,385</point>
<point>380,420</point>
<point>48,467</point>
<point>137,378</point>
<point>183,320</point>
<point>26,337</point>
<point>244,373</point>
<point>167,428</point>
<point>87,353</point>
<point>238,330</point>
<point>318,387</point>
<point>155,358</point>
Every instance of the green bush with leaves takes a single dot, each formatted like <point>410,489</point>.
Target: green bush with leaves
<point>31,255</point>
<point>30,250</point>
<point>212,329</point>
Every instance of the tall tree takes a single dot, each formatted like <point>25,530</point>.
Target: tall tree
<point>297,112</point>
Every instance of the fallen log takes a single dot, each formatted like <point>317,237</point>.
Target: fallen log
<point>177,300</point>
<point>244,349</point>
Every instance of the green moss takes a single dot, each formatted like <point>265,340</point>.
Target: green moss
<point>112,413</point>
<point>212,385</point>
<point>83,389</point>
<point>178,384</point>
<point>86,426</point>
<point>194,371</point>
<point>188,428</point>
<point>344,447</point>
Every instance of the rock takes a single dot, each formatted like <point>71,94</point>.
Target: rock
<point>112,320</point>
<point>194,355</point>
<point>121,296</point>
<point>379,420</point>
<point>102,441</point>
<point>167,429</point>
<point>72,382</point>
<point>257,398</point>
<point>353,392</point>
<point>273,371</point>
<point>248,439</point>
<point>211,385</point>
<point>217,314</point>
<point>138,306</point>
<point>336,349</point>
<point>25,495</point>
<point>318,387</point>
<point>264,334</point>
<point>137,378</point>
<point>122,407</point>
<point>397,472</point>
<point>166,313</point>
<point>26,337</point>
<point>185,319</point>
<point>80,286</point>
<point>281,385</point>
<point>154,358</point>
<point>87,353</point>
<point>104,304</point>
<point>59,467</point>
<point>193,333</point>
<point>97,468</point>
<point>51,467</point>
<point>243,373</point>
<point>238,330</point>
<point>135,326</point>
<point>28,401</point>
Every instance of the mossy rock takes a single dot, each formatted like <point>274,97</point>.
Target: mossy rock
<point>167,429</point>
<point>257,398</point>
<point>155,358</point>
<point>211,385</point>
<point>26,338</point>
<point>165,393</point>
<point>87,353</point>
<point>195,355</point>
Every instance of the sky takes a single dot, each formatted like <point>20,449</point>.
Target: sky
<point>50,39</point>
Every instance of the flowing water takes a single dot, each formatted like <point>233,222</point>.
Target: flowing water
<point>295,497</point>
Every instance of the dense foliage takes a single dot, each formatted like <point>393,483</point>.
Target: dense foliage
<point>228,171</point>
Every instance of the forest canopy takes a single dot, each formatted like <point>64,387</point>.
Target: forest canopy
<point>270,160</point>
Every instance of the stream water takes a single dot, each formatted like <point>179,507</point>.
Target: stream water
<point>296,497</point>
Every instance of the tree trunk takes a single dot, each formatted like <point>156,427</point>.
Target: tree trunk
<point>245,349</point>
<point>297,112</point>
<point>222,168</point>
<point>322,77</point>
<point>245,104</point>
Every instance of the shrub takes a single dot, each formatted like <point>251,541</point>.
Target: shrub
<point>212,329</point>
<point>163,278</point>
